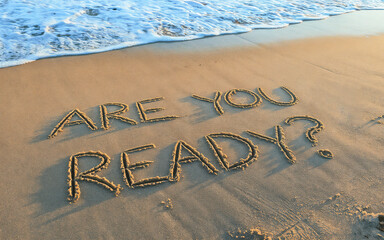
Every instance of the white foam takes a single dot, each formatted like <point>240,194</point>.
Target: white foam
<point>32,29</point>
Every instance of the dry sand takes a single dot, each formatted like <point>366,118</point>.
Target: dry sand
<point>339,81</point>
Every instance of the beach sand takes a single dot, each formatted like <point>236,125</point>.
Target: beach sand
<point>338,80</point>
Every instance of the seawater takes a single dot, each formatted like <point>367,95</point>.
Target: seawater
<point>33,29</point>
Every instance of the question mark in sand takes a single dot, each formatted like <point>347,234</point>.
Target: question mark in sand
<point>310,133</point>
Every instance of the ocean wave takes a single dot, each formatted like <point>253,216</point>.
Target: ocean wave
<point>31,29</point>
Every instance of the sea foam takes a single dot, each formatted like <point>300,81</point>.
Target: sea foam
<point>32,29</point>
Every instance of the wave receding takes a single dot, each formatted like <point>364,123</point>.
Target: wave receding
<point>31,29</point>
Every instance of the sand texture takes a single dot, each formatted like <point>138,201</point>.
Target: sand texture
<point>278,141</point>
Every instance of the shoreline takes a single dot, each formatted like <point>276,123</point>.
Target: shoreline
<point>335,25</point>
<point>352,24</point>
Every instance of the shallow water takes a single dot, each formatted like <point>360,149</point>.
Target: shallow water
<point>31,29</point>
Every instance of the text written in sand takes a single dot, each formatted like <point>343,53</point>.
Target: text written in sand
<point>183,151</point>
